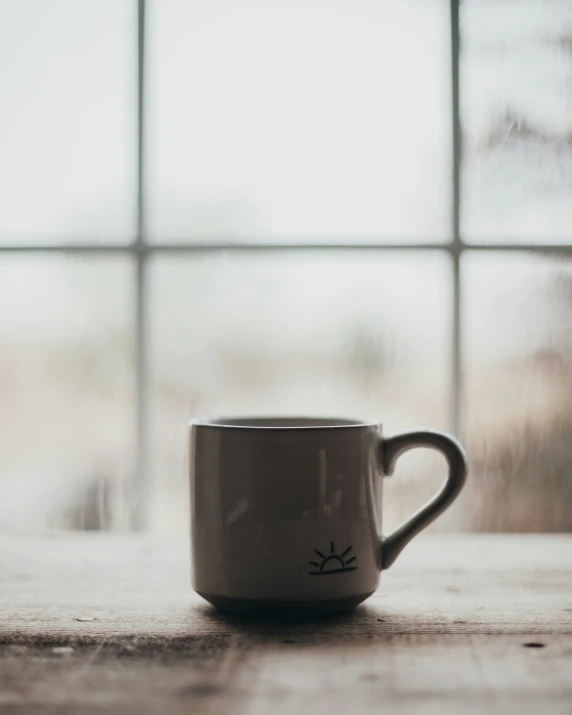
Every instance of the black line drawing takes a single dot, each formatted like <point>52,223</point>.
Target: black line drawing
<point>332,563</point>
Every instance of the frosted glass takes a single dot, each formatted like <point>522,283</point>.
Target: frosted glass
<point>66,381</point>
<point>352,334</point>
<point>320,120</point>
<point>67,124</point>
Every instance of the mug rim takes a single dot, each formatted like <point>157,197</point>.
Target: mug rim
<point>279,423</point>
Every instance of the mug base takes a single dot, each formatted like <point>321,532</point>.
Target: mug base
<point>270,605</point>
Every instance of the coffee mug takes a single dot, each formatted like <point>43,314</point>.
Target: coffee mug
<point>286,512</point>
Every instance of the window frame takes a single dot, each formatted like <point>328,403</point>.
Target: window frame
<point>140,250</point>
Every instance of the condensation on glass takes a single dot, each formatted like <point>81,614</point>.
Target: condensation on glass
<point>282,122</point>
<point>314,120</point>
<point>66,381</point>
<point>363,335</point>
<point>67,121</point>
<point>518,375</point>
<point>516,96</point>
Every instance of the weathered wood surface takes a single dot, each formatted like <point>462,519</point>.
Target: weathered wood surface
<point>463,624</point>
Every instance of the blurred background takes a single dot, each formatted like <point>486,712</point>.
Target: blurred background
<point>262,207</point>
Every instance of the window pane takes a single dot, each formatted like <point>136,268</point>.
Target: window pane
<point>345,334</point>
<point>518,362</point>
<point>66,413</point>
<point>321,120</point>
<point>67,90</point>
<point>516,87</point>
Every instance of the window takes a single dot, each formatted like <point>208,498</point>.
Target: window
<point>355,208</point>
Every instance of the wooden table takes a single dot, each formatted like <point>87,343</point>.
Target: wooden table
<point>461,624</point>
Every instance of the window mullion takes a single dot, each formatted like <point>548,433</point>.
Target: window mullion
<point>142,473</point>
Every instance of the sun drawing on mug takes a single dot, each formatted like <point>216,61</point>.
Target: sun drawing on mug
<point>332,563</point>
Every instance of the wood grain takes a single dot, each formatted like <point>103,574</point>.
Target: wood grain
<point>471,624</point>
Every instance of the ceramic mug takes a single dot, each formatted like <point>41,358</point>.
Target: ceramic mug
<point>286,512</point>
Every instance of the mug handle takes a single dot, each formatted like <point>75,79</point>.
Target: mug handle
<point>391,449</point>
